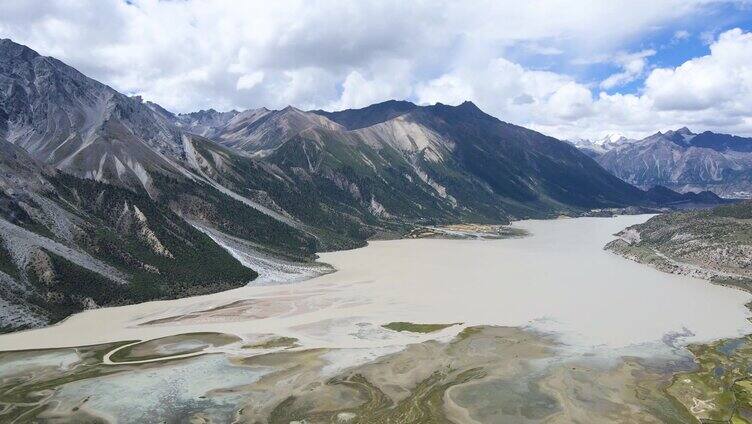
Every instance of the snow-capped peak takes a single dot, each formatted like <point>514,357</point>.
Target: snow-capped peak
<point>611,139</point>
<point>603,144</point>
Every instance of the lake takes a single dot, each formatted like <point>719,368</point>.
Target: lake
<point>558,279</point>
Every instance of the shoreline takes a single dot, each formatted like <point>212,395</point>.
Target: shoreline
<point>702,390</point>
<point>316,269</point>
<point>262,262</point>
<point>259,304</point>
<point>335,327</point>
<point>624,248</point>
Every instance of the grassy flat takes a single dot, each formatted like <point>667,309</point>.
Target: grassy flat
<point>274,343</point>
<point>412,327</point>
<point>719,390</point>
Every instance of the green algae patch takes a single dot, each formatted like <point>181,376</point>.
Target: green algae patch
<point>467,333</point>
<point>274,343</point>
<point>719,389</point>
<point>412,327</point>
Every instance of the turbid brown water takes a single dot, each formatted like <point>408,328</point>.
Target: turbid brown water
<point>557,279</point>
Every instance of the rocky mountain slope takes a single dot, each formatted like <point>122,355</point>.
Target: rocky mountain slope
<point>101,200</point>
<point>597,147</point>
<point>449,161</point>
<point>683,161</point>
<point>713,244</point>
<point>204,122</point>
<point>68,243</point>
<point>354,119</point>
<point>106,199</point>
<point>79,125</point>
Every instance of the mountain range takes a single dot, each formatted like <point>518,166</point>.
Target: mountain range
<point>106,199</point>
<point>680,160</point>
<point>596,147</point>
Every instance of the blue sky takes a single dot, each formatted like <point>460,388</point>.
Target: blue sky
<point>674,43</point>
<point>672,49</point>
<point>569,68</point>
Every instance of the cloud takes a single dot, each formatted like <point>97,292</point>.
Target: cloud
<point>722,78</point>
<point>709,92</point>
<point>571,101</point>
<point>448,89</point>
<point>523,99</point>
<point>392,82</point>
<point>248,81</point>
<point>632,64</point>
<point>508,91</point>
<point>680,35</point>
<point>542,49</point>
<point>514,59</point>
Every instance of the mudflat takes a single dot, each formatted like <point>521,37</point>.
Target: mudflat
<point>426,330</point>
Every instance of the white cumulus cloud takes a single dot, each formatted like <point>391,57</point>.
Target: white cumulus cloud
<point>712,92</point>
<point>192,54</point>
<point>248,81</point>
<point>632,64</point>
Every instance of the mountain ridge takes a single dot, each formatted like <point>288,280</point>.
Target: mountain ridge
<point>107,199</point>
<point>684,161</point>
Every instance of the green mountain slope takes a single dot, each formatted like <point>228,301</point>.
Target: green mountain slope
<point>69,244</point>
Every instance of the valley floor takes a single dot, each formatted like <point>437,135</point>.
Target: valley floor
<point>469,331</point>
